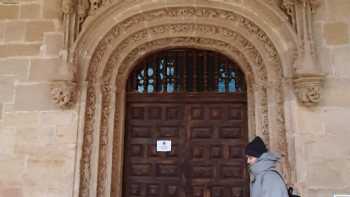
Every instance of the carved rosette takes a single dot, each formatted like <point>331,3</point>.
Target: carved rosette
<point>308,88</point>
<point>63,93</point>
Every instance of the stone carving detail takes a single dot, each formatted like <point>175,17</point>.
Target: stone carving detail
<point>85,162</point>
<point>248,25</point>
<point>294,10</point>
<point>239,41</point>
<point>116,149</point>
<point>238,45</point>
<point>67,6</point>
<point>97,4</point>
<point>308,88</point>
<point>102,169</point>
<point>86,8</point>
<point>63,93</point>
<point>288,6</point>
<point>313,3</point>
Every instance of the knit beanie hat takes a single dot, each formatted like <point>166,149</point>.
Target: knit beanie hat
<point>256,147</point>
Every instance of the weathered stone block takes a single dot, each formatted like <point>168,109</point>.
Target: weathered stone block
<point>11,169</point>
<point>36,135</point>
<point>33,97</point>
<point>336,33</point>
<point>2,31</point>
<point>36,30</point>
<point>54,43</point>
<point>325,60</point>
<point>8,107</point>
<point>318,192</point>
<point>30,11</point>
<point>339,9</point>
<point>44,69</point>
<point>11,192</point>
<point>322,174</point>
<point>21,119</point>
<point>1,110</point>
<point>6,89</point>
<point>329,147</point>
<point>310,122</point>
<point>14,50</point>
<point>39,168</point>
<point>341,64</point>
<point>40,191</point>
<point>15,31</point>
<point>52,9</point>
<point>66,134</point>
<point>16,68</point>
<point>47,151</point>
<point>57,118</point>
<point>337,126</point>
<point>9,11</point>
<point>326,173</point>
<point>334,94</point>
<point>7,141</point>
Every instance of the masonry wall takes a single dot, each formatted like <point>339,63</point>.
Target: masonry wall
<point>323,133</point>
<point>37,140</point>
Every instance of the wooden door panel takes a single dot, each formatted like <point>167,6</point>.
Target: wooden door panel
<point>150,173</point>
<point>207,156</point>
<point>216,142</point>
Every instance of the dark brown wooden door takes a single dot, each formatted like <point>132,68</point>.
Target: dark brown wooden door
<point>208,132</point>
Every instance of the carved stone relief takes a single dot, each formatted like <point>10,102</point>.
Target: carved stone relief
<point>308,88</point>
<point>260,60</point>
<point>135,39</point>
<point>63,93</point>
<point>88,8</point>
<point>89,129</point>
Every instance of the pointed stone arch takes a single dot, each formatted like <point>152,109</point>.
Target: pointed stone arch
<point>106,52</point>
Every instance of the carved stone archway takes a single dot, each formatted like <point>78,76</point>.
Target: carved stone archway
<point>260,41</point>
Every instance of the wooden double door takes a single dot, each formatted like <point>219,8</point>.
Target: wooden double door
<point>207,133</point>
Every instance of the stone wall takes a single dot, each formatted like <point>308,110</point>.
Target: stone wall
<point>323,133</point>
<point>37,140</point>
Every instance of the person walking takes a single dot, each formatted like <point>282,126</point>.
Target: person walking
<point>266,180</point>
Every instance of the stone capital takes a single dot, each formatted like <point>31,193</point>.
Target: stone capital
<point>308,88</point>
<point>63,93</point>
<point>67,6</point>
<point>314,3</point>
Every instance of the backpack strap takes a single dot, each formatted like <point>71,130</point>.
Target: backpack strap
<point>273,170</point>
<point>289,189</point>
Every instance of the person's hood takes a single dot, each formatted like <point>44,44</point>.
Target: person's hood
<point>267,161</point>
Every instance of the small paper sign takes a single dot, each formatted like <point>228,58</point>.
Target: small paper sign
<point>163,145</point>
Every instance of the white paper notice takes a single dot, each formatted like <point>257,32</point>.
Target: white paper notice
<point>163,145</point>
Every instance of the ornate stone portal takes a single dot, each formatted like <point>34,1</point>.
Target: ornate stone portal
<point>63,93</point>
<point>115,38</point>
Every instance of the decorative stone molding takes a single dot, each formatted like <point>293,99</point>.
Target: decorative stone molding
<point>313,3</point>
<point>67,6</point>
<point>127,41</point>
<point>307,77</point>
<point>295,11</point>
<point>308,88</point>
<point>63,93</point>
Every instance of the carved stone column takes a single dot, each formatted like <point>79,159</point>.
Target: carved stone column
<point>307,77</point>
